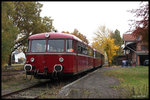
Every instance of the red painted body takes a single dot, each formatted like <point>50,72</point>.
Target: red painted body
<point>50,60</point>
<point>97,62</point>
<point>73,62</point>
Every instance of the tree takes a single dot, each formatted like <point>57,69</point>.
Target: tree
<point>117,40</point>
<point>104,43</point>
<point>98,40</point>
<point>27,19</point>
<point>47,24</point>
<point>79,35</point>
<point>26,15</point>
<point>9,31</point>
<point>97,46</point>
<point>140,27</point>
<point>19,21</point>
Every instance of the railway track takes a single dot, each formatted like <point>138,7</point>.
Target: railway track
<point>16,94</point>
<point>37,90</point>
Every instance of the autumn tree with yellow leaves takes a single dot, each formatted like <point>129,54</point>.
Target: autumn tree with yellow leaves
<point>104,43</point>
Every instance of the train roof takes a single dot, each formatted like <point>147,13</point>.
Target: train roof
<point>54,36</point>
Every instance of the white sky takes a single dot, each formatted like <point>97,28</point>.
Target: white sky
<point>88,16</point>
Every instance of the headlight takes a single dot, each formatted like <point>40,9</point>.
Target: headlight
<point>61,59</point>
<point>32,59</point>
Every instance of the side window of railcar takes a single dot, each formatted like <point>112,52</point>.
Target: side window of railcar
<point>69,46</point>
<point>38,46</point>
<point>75,45</point>
<point>56,45</point>
<point>79,48</point>
<point>90,52</point>
<point>84,50</point>
<point>96,54</point>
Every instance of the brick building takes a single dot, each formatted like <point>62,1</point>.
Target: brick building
<point>135,50</point>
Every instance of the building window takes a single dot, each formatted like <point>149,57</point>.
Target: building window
<point>138,38</point>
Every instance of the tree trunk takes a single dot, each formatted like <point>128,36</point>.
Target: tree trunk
<point>9,61</point>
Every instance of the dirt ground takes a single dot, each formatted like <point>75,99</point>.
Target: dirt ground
<point>93,85</point>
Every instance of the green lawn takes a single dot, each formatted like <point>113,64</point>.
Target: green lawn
<point>134,79</point>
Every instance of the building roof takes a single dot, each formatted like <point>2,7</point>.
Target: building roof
<point>130,45</point>
<point>129,37</point>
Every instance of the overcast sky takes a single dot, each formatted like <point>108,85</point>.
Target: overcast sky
<point>88,16</point>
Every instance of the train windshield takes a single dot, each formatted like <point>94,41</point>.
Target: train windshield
<point>55,45</point>
<point>38,46</point>
<point>69,46</point>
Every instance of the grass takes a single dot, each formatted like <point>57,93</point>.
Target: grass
<point>13,81</point>
<point>134,79</point>
<point>51,91</point>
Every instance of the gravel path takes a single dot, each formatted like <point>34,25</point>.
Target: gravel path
<point>93,85</point>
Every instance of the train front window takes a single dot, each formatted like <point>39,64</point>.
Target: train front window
<point>38,46</point>
<point>69,46</point>
<point>55,45</point>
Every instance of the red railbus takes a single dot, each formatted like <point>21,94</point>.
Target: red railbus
<point>52,55</point>
<point>98,59</point>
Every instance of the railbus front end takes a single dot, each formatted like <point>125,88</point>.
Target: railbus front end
<point>53,55</point>
<point>50,56</point>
